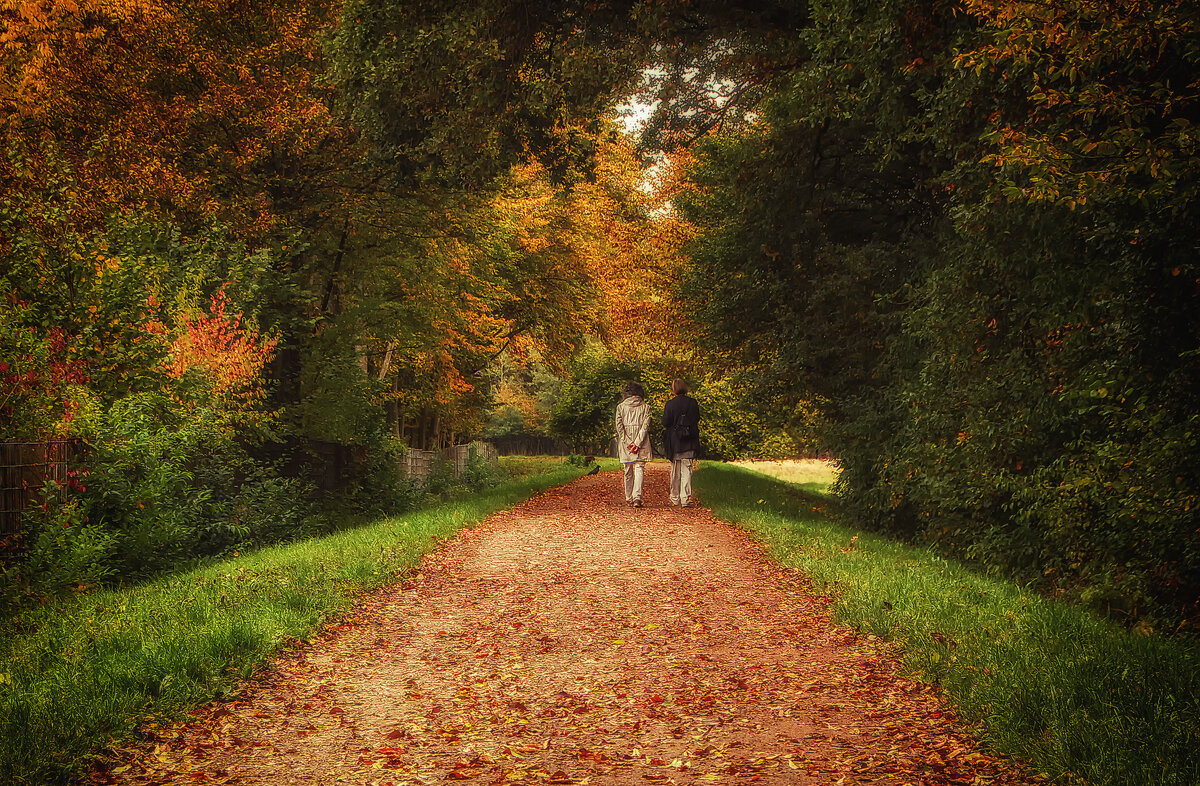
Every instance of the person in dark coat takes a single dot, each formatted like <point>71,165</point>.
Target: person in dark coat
<point>681,442</point>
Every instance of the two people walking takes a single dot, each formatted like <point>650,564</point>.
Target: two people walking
<point>681,440</point>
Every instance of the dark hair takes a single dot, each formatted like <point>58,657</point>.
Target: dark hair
<point>679,387</point>
<point>633,389</point>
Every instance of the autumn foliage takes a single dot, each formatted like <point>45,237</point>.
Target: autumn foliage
<point>952,238</point>
<point>214,273</point>
<point>220,346</point>
<point>183,107</point>
<point>35,379</point>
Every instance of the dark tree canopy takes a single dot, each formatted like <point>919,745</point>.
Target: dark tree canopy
<point>462,90</point>
<point>962,231</point>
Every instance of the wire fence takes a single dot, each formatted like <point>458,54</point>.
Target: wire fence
<point>24,469</point>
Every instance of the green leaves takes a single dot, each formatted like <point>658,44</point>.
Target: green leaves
<point>583,413</point>
<point>966,243</point>
<point>459,92</point>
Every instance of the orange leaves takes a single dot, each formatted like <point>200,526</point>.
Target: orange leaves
<point>40,38</point>
<point>532,207</point>
<point>157,106</point>
<point>1101,113</point>
<point>604,252</point>
<point>231,355</point>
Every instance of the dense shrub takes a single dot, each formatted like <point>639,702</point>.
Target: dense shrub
<point>583,414</point>
<point>64,549</point>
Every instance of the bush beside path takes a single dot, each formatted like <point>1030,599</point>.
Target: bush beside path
<point>573,639</point>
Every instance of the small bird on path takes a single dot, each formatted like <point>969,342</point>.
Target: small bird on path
<point>594,470</point>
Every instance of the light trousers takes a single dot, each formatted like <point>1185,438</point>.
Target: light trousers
<point>681,480</point>
<point>635,472</point>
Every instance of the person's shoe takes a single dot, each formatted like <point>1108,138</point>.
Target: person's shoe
<point>637,503</point>
<point>685,504</point>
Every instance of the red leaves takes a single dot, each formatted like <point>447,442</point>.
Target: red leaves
<point>466,770</point>
<point>36,377</point>
<point>231,354</point>
<point>583,754</point>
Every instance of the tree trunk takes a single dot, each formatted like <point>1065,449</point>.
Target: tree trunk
<point>387,363</point>
<point>395,424</point>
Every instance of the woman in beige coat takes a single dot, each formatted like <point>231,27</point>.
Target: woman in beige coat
<point>633,439</point>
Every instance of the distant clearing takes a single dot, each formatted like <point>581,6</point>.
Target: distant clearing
<point>814,474</point>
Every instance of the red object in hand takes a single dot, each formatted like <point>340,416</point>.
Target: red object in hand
<point>632,448</point>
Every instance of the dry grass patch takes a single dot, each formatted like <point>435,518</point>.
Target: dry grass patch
<point>815,475</point>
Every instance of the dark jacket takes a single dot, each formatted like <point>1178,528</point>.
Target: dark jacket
<point>681,421</point>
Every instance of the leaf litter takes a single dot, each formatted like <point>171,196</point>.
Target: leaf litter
<point>575,640</point>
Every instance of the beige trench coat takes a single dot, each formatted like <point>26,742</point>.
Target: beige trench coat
<point>633,428</point>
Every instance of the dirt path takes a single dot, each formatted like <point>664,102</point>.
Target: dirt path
<point>576,640</point>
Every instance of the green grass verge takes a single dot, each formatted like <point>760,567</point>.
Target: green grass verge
<point>85,675</point>
<point>1072,694</point>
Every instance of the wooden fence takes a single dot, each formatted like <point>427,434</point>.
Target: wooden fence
<point>24,467</point>
<point>333,466</point>
<point>420,463</point>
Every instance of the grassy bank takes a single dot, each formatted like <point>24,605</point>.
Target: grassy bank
<point>1073,694</point>
<point>74,677</point>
